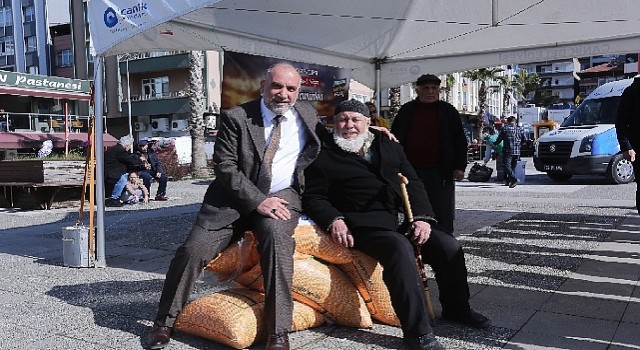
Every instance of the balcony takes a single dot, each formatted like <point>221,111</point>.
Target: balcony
<point>154,104</point>
<point>144,62</point>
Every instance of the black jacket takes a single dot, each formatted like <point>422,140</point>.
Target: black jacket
<point>118,161</point>
<point>340,183</point>
<point>453,142</point>
<point>628,120</point>
<point>152,159</point>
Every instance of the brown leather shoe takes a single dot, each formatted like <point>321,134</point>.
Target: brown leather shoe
<point>159,337</point>
<point>162,198</point>
<point>277,342</point>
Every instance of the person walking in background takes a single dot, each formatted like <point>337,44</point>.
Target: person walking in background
<point>513,137</point>
<point>628,128</point>
<point>155,170</point>
<point>376,120</point>
<point>262,149</point>
<point>433,138</point>
<point>353,189</point>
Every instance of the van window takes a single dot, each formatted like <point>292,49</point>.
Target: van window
<point>595,111</point>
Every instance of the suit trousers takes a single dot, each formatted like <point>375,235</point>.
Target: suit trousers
<point>275,245</point>
<point>442,196</point>
<point>400,274</point>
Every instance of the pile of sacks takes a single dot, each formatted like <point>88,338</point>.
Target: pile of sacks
<point>331,283</point>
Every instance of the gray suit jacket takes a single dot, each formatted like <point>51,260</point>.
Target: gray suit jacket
<point>237,158</point>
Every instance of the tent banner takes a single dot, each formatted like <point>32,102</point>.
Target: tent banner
<point>113,21</point>
<point>323,86</point>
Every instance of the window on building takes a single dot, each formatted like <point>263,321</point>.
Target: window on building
<point>89,55</point>
<point>30,44</point>
<point>33,70</point>
<point>6,17</point>
<point>6,45</point>
<point>155,87</point>
<point>64,58</point>
<point>29,14</point>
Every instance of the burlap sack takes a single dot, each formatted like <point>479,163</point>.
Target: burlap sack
<point>234,317</point>
<point>237,258</point>
<point>323,287</point>
<point>311,239</point>
<point>366,274</point>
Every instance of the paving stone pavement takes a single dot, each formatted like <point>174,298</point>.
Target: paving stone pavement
<point>547,281</point>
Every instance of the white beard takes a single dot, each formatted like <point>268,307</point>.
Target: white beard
<point>352,146</point>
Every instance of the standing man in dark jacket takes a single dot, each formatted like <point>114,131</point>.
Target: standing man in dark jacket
<point>154,171</point>
<point>628,129</point>
<point>433,138</point>
<point>117,163</point>
<point>354,192</point>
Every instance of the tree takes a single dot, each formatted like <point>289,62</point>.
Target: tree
<point>482,75</point>
<point>196,119</point>
<point>524,83</point>
<point>394,100</point>
<point>449,81</point>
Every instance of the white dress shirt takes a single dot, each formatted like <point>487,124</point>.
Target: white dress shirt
<point>292,141</point>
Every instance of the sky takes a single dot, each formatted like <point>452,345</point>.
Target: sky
<point>58,11</point>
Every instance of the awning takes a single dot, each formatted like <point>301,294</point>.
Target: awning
<point>45,93</point>
<point>17,140</point>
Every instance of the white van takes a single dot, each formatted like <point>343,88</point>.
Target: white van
<point>586,142</point>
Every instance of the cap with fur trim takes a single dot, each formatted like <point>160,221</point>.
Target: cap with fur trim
<point>352,106</point>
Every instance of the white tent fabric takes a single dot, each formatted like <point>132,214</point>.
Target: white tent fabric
<point>385,43</point>
<point>408,37</point>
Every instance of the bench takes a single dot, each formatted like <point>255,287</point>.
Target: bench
<point>25,183</point>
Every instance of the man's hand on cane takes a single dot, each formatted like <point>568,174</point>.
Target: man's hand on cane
<point>419,232</point>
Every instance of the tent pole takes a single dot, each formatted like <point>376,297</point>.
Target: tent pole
<point>378,93</point>
<point>99,149</point>
<point>494,13</point>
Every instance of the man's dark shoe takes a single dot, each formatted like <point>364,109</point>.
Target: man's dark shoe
<point>471,319</point>
<point>162,198</point>
<point>112,202</point>
<point>424,342</point>
<point>277,342</point>
<point>513,183</point>
<point>159,337</point>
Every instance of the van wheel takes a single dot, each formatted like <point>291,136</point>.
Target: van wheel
<point>620,170</point>
<point>558,176</point>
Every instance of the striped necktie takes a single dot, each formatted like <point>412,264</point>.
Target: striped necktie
<point>264,180</point>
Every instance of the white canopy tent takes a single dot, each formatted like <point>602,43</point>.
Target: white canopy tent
<point>384,43</point>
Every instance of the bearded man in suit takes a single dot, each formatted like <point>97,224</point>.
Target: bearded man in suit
<point>257,187</point>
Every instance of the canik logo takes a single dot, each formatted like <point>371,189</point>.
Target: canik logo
<point>110,17</point>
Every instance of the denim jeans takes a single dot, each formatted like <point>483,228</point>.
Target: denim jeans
<point>119,186</point>
<point>510,162</point>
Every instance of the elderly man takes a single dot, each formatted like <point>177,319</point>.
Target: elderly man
<point>353,191</point>
<point>262,149</point>
<point>117,163</point>
<point>433,138</point>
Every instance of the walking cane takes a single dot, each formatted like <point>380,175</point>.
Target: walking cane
<point>416,248</point>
